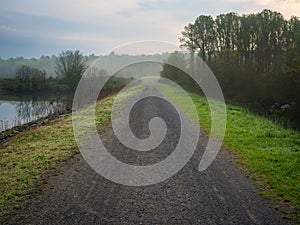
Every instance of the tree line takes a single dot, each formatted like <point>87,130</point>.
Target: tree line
<point>9,66</point>
<point>255,57</point>
<point>110,63</point>
<point>69,69</point>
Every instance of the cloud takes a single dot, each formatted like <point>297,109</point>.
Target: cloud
<point>287,7</point>
<point>99,25</point>
<point>7,28</point>
<point>92,26</point>
<point>75,10</point>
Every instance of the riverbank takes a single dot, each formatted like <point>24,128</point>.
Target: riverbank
<point>6,135</point>
<point>28,155</point>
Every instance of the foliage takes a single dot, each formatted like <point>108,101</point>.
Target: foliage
<point>111,63</point>
<point>30,78</point>
<point>175,68</point>
<point>255,58</point>
<point>8,67</point>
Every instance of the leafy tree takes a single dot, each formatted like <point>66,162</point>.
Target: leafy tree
<point>205,36</point>
<point>293,56</point>
<point>255,57</point>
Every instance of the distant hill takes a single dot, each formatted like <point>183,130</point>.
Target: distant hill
<point>110,63</point>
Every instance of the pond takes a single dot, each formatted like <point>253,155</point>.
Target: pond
<point>15,111</point>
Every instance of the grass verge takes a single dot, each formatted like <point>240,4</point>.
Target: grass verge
<point>270,152</point>
<point>33,153</point>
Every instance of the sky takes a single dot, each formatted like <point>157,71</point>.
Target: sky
<point>32,28</point>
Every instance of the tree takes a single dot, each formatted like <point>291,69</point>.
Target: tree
<point>205,36</point>
<point>189,41</point>
<point>173,70</point>
<point>70,66</point>
<point>38,79</point>
<point>293,54</point>
<point>23,75</point>
<point>30,78</point>
<point>255,57</point>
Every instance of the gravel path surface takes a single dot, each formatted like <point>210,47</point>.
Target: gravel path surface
<point>219,195</point>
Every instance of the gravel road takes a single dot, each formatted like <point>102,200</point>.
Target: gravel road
<point>220,195</point>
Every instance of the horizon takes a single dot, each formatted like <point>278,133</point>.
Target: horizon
<point>85,55</point>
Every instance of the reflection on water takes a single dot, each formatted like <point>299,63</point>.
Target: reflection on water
<point>17,111</point>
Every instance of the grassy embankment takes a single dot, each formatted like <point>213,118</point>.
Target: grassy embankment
<point>268,151</point>
<point>33,153</point>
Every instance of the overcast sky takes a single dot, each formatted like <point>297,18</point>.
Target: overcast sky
<point>32,28</point>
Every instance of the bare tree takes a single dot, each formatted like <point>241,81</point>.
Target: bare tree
<point>70,66</point>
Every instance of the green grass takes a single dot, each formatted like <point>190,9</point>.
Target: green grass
<point>267,150</point>
<point>270,152</point>
<point>33,153</point>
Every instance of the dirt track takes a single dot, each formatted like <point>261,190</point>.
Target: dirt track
<point>220,195</point>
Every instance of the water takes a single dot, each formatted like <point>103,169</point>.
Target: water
<point>15,111</point>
